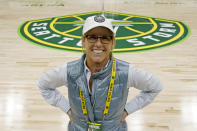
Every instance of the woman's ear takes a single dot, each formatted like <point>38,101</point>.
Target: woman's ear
<point>113,43</point>
<point>83,44</point>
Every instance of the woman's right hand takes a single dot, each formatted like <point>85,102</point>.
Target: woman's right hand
<point>69,115</point>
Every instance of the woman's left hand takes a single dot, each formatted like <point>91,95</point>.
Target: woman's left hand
<point>125,114</point>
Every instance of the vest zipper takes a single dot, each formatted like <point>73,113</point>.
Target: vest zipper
<point>94,94</point>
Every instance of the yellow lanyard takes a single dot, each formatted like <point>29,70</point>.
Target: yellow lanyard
<point>110,90</point>
<point>83,103</point>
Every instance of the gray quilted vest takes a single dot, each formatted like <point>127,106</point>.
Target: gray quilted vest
<point>95,103</point>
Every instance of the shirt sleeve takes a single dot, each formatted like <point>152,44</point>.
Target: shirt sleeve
<point>149,85</point>
<point>48,83</point>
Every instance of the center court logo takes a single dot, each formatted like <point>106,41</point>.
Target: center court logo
<point>133,33</point>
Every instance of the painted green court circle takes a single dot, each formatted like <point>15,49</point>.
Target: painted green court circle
<point>133,33</point>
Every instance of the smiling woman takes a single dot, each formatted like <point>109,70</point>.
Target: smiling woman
<point>93,104</point>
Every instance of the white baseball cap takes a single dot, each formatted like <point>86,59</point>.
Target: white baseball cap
<point>96,21</point>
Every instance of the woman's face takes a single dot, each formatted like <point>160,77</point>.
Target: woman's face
<point>98,43</point>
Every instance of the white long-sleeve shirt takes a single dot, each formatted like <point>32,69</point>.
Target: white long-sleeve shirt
<point>148,83</point>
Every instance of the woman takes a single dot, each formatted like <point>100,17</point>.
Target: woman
<point>98,83</point>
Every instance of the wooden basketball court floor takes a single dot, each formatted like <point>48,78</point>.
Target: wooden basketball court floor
<point>23,109</point>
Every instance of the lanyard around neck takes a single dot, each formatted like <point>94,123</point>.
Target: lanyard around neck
<point>109,95</point>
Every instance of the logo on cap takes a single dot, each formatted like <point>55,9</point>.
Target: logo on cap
<point>99,18</point>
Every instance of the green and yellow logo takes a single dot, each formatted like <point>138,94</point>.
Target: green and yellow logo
<point>133,33</point>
